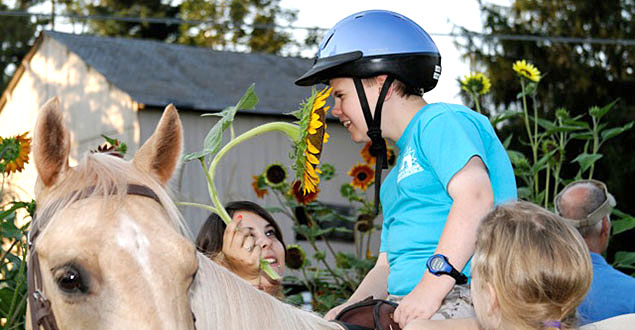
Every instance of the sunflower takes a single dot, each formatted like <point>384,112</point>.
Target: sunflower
<point>275,175</point>
<point>313,136</point>
<point>526,70</point>
<point>14,153</point>
<point>295,257</point>
<point>300,196</point>
<point>370,159</point>
<point>258,184</point>
<point>364,222</point>
<point>476,83</point>
<point>363,175</point>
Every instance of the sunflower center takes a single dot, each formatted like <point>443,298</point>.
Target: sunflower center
<point>362,176</point>
<point>9,150</point>
<point>276,174</point>
<point>294,258</point>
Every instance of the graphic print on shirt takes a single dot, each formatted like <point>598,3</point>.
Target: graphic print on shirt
<point>409,164</point>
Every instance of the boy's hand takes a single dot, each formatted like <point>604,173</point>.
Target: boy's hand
<point>416,305</point>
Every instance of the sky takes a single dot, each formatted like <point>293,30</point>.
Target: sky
<point>435,17</point>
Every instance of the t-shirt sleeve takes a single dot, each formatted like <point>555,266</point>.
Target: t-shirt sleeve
<point>448,141</point>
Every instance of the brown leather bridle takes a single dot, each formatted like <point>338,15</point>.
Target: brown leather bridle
<point>40,306</point>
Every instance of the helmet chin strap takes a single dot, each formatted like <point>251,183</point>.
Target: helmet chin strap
<point>378,144</point>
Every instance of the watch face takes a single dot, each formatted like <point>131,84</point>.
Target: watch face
<point>437,263</point>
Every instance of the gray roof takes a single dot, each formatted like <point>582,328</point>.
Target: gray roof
<point>156,73</point>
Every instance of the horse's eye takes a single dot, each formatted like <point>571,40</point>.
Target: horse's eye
<point>71,281</point>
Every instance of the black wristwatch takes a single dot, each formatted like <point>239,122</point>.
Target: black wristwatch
<point>439,265</point>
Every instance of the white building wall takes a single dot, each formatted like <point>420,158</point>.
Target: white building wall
<point>92,106</point>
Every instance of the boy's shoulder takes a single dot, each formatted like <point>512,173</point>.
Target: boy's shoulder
<point>447,110</point>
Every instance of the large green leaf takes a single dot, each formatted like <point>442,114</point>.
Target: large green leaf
<point>613,132</point>
<point>623,224</point>
<point>582,136</point>
<point>499,117</point>
<point>624,259</point>
<point>214,139</point>
<point>586,160</point>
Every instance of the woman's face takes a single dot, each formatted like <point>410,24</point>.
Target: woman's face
<point>348,109</point>
<point>264,235</point>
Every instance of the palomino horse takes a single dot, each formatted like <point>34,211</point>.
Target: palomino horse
<point>110,258</point>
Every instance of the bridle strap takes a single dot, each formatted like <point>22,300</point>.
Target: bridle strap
<point>40,306</point>
<point>378,144</point>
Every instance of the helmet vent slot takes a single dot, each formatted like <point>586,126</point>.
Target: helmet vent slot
<point>327,40</point>
<point>359,16</point>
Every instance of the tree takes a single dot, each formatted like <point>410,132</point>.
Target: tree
<point>17,34</point>
<point>237,24</point>
<point>578,75</point>
<point>128,8</point>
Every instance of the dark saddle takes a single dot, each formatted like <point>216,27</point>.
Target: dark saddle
<point>368,314</point>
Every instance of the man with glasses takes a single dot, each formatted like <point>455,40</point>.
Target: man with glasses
<point>587,205</point>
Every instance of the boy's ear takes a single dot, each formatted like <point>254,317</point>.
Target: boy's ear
<point>380,83</point>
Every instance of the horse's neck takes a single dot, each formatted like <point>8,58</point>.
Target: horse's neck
<point>221,300</point>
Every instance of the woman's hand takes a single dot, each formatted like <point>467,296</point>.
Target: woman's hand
<point>241,253</point>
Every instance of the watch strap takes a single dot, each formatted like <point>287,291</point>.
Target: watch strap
<point>459,277</point>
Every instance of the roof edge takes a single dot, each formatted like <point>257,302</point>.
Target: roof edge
<point>20,70</point>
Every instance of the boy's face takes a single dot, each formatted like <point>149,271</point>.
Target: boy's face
<point>348,109</point>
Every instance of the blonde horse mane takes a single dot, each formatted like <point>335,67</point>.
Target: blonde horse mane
<point>222,300</point>
<point>108,176</point>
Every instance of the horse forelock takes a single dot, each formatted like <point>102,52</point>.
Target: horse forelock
<point>108,178</point>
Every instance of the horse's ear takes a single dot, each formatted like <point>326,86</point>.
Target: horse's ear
<point>161,153</point>
<point>52,143</point>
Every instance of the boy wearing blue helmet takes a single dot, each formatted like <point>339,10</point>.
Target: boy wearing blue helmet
<point>451,169</point>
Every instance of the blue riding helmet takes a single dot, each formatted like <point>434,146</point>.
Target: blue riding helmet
<point>376,42</point>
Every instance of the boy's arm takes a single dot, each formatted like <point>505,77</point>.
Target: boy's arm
<point>473,197</point>
<point>374,284</point>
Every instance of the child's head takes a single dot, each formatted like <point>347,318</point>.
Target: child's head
<point>529,268</point>
<point>371,44</point>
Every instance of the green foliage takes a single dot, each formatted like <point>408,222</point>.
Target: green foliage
<point>14,222</point>
<point>127,8</point>
<point>539,173</point>
<point>214,138</point>
<point>225,26</point>
<point>577,75</point>
<point>17,34</point>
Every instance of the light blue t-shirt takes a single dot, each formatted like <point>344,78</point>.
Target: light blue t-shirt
<point>612,293</point>
<point>438,142</point>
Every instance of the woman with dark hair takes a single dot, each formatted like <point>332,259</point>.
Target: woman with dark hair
<point>253,233</point>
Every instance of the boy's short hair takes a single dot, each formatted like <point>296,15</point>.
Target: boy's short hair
<point>398,87</point>
<point>538,266</point>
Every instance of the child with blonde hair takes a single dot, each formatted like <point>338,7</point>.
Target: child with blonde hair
<point>530,270</point>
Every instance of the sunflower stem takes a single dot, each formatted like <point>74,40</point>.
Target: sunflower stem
<point>201,206</point>
<point>291,130</point>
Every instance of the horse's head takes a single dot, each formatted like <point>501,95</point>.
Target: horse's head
<point>110,259</point>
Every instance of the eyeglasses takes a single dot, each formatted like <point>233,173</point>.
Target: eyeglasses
<point>594,217</point>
